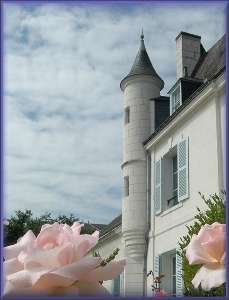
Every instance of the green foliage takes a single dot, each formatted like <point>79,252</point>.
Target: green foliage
<point>96,254</point>
<point>110,257</point>
<point>215,212</point>
<point>22,221</point>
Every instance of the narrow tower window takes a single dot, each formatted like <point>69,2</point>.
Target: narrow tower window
<point>127,115</point>
<point>126,186</point>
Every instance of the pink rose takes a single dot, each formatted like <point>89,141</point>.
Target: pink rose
<point>160,293</point>
<point>208,248</point>
<point>54,263</point>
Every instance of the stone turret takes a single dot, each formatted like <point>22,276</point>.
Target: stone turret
<point>139,86</point>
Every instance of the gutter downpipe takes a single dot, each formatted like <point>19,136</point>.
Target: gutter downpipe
<point>148,214</point>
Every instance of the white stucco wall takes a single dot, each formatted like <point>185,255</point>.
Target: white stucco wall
<point>200,126</point>
<point>222,106</point>
<point>106,246</point>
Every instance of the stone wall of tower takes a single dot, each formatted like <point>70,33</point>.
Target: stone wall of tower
<point>137,92</point>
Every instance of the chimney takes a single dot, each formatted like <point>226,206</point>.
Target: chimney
<point>188,51</point>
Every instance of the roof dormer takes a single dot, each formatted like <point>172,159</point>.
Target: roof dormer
<point>181,91</point>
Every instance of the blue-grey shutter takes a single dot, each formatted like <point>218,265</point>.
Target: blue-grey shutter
<point>122,283</point>
<point>156,266</point>
<point>182,166</point>
<point>116,286</point>
<point>179,276</point>
<point>157,182</point>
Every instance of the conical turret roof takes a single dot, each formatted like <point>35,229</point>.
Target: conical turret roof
<point>142,64</point>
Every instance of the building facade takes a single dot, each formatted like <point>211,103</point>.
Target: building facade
<point>173,148</point>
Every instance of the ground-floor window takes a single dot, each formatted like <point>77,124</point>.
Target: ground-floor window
<point>170,266</point>
<point>116,286</point>
<point>173,277</point>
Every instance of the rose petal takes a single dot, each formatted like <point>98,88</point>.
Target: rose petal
<point>209,277</point>
<point>196,254</point>
<point>51,258</point>
<point>92,289</point>
<point>48,278</point>
<point>66,255</point>
<point>108,272</point>
<point>40,279</point>
<point>65,235</point>
<point>12,251</point>
<point>76,228</point>
<point>212,231</point>
<point>12,266</point>
<point>66,291</point>
<point>11,290</point>
<point>27,241</point>
<point>85,243</point>
<point>48,234</point>
<point>26,278</point>
<point>79,268</point>
<point>222,260</point>
<point>212,238</point>
<point>215,247</point>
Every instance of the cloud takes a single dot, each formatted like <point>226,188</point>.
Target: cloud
<point>63,105</point>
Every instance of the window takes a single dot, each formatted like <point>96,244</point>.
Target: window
<point>126,186</point>
<point>173,200</point>
<point>116,286</point>
<point>127,115</point>
<point>170,264</point>
<point>175,176</point>
<point>175,99</point>
<point>171,182</point>
<point>173,274</point>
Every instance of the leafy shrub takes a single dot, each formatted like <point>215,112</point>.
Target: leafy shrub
<point>22,221</point>
<point>215,212</point>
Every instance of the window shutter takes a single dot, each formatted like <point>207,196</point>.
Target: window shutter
<point>116,286</point>
<point>157,200</point>
<point>179,276</point>
<point>122,283</point>
<point>182,166</point>
<point>156,266</point>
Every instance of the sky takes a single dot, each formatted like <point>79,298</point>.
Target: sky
<point>63,105</point>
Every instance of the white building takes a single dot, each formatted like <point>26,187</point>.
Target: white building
<point>173,147</point>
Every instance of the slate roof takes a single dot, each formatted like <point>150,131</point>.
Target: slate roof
<point>100,227</point>
<point>210,65</point>
<point>142,64</point>
<point>113,224</point>
<point>173,116</point>
<point>211,62</point>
